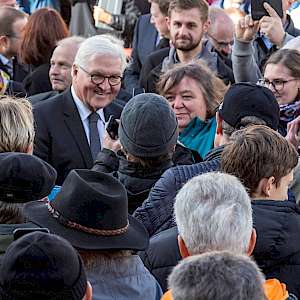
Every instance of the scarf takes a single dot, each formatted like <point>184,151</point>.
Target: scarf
<point>288,112</point>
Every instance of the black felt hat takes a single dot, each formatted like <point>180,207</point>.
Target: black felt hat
<point>249,99</point>
<point>24,177</point>
<point>91,212</point>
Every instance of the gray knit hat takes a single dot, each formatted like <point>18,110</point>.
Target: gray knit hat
<point>148,126</point>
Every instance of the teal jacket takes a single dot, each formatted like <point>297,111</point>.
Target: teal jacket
<point>199,135</point>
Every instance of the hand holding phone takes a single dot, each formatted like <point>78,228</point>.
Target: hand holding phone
<point>112,127</point>
<point>258,9</point>
<point>271,26</point>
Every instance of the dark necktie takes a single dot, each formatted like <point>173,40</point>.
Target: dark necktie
<point>95,144</point>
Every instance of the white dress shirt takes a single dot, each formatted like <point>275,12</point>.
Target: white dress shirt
<point>84,113</point>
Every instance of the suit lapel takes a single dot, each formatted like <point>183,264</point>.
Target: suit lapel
<point>75,126</point>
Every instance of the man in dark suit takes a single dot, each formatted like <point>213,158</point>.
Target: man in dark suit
<point>12,22</point>
<point>70,127</point>
<point>144,42</point>
<point>151,33</point>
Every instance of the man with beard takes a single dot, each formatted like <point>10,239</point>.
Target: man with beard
<point>188,22</point>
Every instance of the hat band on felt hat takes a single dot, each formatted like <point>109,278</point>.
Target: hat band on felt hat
<point>55,214</point>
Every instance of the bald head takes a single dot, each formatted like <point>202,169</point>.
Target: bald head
<point>221,30</point>
<point>61,62</point>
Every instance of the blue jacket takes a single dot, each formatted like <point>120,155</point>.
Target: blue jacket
<point>156,213</point>
<point>123,278</point>
<point>29,6</point>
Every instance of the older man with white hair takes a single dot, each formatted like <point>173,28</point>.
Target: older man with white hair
<point>70,127</point>
<point>61,63</point>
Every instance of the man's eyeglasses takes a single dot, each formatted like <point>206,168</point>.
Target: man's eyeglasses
<point>277,84</point>
<point>99,78</point>
<point>222,45</point>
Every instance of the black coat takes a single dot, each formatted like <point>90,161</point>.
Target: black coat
<point>38,81</point>
<point>277,250</point>
<point>144,43</point>
<point>60,137</point>
<point>156,213</point>
<point>138,181</point>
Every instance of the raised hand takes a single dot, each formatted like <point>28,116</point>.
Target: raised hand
<point>271,26</point>
<point>246,29</point>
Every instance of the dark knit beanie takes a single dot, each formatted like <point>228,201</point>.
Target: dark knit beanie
<point>42,266</point>
<point>148,126</point>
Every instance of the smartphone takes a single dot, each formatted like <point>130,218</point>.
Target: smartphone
<point>258,10</point>
<point>137,91</point>
<point>19,232</point>
<point>112,127</point>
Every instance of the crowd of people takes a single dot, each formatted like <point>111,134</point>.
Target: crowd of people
<point>166,172</point>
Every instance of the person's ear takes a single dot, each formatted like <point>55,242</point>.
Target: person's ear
<point>252,242</point>
<point>184,252</point>
<point>219,120</point>
<point>29,150</point>
<point>74,71</point>
<point>264,188</point>
<point>219,131</point>
<point>4,41</point>
<point>206,26</point>
<point>168,23</point>
<point>267,186</point>
<point>89,292</point>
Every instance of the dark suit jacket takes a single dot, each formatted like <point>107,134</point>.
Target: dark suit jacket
<point>35,99</point>
<point>38,80</point>
<point>15,86</point>
<point>144,42</point>
<point>60,137</point>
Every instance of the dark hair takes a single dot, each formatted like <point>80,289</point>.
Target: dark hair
<point>163,6</point>
<point>44,29</point>
<point>147,163</point>
<point>212,88</point>
<point>290,58</point>
<point>190,4</point>
<point>8,16</point>
<point>258,152</point>
<point>11,213</point>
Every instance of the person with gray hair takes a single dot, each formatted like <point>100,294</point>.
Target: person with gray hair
<point>60,68</point>
<point>213,212</point>
<point>70,127</point>
<point>217,276</point>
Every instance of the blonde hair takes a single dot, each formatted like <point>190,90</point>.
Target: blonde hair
<point>16,125</point>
